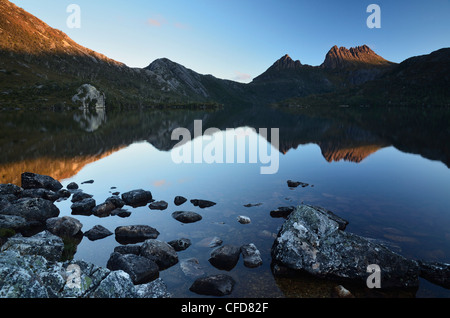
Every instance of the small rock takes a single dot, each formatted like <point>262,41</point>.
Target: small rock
<point>97,232</point>
<point>282,212</point>
<point>249,205</point>
<point>160,252</point>
<point>116,201</point>
<point>243,219</point>
<point>294,184</point>
<point>214,285</point>
<point>65,226</point>
<point>104,209</point>
<point>202,203</point>
<point>83,207</point>
<point>179,200</point>
<point>158,205</point>
<point>130,234</point>
<point>186,216</point>
<point>180,244</point>
<point>251,255</point>
<point>87,182</point>
<point>141,269</point>
<point>72,186</point>
<point>225,257</point>
<point>137,197</point>
<point>80,195</point>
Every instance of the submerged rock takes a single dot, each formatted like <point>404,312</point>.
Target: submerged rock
<point>310,240</point>
<point>191,267</point>
<point>186,216</point>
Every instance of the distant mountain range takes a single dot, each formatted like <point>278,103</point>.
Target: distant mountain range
<point>42,66</point>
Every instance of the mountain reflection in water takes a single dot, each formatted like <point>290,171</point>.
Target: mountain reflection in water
<point>384,170</point>
<point>60,143</point>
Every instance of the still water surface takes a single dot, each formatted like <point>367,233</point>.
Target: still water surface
<point>353,167</point>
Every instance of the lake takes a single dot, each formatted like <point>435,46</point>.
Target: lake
<point>385,170</point>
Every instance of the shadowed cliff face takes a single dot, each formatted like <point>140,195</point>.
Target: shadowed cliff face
<point>57,144</point>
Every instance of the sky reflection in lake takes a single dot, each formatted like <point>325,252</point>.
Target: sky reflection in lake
<point>393,196</point>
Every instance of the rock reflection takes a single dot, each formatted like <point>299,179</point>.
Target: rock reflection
<point>91,119</point>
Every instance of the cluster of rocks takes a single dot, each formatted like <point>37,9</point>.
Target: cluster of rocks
<point>314,240</point>
<point>33,231</point>
<point>311,240</point>
<point>30,268</point>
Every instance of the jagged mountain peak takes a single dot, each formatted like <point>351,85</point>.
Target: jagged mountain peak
<point>285,62</point>
<point>341,57</point>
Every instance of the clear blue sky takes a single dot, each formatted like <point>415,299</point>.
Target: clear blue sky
<point>240,39</point>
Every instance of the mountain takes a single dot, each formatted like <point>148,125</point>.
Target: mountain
<point>355,57</point>
<point>194,86</point>
<point>341,68</point>
<point>418,81</point>
<point>40,65</point>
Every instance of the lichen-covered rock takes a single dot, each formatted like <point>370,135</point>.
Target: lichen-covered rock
<point>44,244</point>
<point>27,270</point>
<point>310,240</point>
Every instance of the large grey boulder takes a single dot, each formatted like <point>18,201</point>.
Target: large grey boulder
<point>310,240</point>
